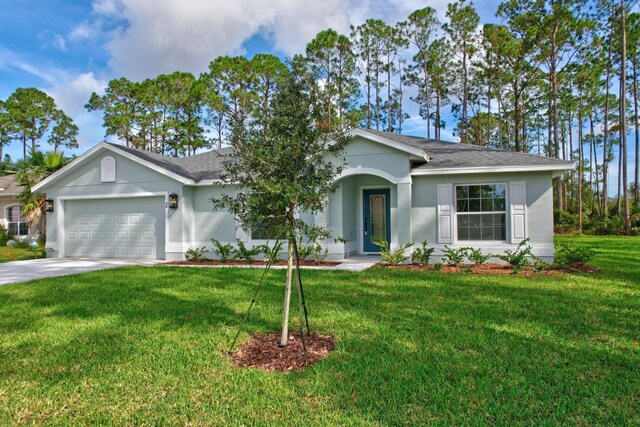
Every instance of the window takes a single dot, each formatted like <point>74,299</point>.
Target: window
<point>16,224</point>
<point>262,232</point>
<point>481,212</point>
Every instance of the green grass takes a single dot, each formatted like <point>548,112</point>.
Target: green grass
<point>17,254</point>
<point>143,345</point>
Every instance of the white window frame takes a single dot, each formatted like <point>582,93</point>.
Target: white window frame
<point>20,217</point>
<point>505,212</point>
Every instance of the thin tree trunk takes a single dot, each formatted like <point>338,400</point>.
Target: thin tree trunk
<point>605,141</point>
<point>580,165</point>
<point>623,119</point>
<point>287,298</point>
<point>637,129</point>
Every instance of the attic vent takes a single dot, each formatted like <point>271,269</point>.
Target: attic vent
<point>108,169</point>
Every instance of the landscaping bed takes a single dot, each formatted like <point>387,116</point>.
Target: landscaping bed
<point>239,262</point>
<point>492,268</point>
<point>263,352</point>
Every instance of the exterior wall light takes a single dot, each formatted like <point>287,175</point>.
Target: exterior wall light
<point>173,201</point>
<point>48,205</point>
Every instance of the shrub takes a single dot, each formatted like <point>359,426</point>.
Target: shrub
<point>567,255</point>
<point>423,254</point>
<point>4,235</point>
<point>453,256</point>
<point>476,256</point>
<point>564,222</point>
<point>304,251</point>
<point>392,257</point>
<point>195,254</point>
<point>246,254</point>
<point>437,266</point>
<point>518,257</point>
<point>318,254</point>
<point>41,240</point>
<point>222,251</point>
<point>272,253</point>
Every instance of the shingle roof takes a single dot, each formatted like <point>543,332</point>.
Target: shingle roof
<point>8,186</point>
<point>444,154</point>
<point>197,167</point>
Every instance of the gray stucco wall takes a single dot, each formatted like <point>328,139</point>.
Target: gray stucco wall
<point>539,216</point>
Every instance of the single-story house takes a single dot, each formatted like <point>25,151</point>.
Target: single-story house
<point>10,211</point>
<point>117,201</point>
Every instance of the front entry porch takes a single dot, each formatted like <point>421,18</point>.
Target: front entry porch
<point>364,209</point>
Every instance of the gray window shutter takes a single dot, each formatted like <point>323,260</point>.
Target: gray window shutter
<point>518,199</point>
<point>445,213</point>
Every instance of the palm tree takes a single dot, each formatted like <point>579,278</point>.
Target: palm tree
<point>34,169</point>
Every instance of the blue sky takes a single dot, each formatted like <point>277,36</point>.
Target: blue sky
<point>72,48</point>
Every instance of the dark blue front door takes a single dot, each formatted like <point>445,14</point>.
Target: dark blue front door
<point>377,218</point>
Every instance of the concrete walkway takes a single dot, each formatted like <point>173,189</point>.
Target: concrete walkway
<point>21,271</point>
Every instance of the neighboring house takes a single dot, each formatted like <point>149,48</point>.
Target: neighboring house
<point>10,209</point>
<point>116,201</point>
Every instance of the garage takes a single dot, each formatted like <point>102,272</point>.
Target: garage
<point>115,228</point>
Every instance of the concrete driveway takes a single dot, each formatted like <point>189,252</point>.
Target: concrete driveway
<point>21,271</point>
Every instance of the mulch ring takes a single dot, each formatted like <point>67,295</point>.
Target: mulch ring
<point>263,352</point>
<point>238,262</point>
<point>490,268</point>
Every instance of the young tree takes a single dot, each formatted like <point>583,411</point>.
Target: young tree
<point>283,163</point>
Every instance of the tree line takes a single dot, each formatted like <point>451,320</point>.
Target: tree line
<point>555,77</point>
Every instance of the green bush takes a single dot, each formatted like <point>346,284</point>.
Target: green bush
<point>318,254</point>
<point>392,257</point>
<point>304,251</point>
<point>518,258</point>
<point>42,239</point>
<point>476,256</point>
<point>246,254</point>
<point>564,222</point>
<point>453,256</point>
<point>272,253</point>
<point>222,251</point>
<point>567,255</point>
<point>437,266</point>
<point>195,254</point>
<point>4,235</point>
<point>423,254</point>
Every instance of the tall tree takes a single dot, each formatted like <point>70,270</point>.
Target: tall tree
<point>462,31</point>
<point>420,29</point>
<point>119,104</point>
<point>623,117</point>
<point>331,63</point>
<point>31,114</point>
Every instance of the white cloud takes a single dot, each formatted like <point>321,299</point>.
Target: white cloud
<point>160,36</point>
<point>83,31</point>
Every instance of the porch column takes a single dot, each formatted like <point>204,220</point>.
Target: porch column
<point>404,213</point>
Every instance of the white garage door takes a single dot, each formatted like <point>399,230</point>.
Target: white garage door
<point>115,228</point>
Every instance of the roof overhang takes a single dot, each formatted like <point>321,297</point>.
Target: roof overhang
<point>416,152</point>
<point>556,169</point>
<point>114,149</point>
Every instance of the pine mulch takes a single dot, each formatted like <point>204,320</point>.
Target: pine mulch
<point>263,352</point>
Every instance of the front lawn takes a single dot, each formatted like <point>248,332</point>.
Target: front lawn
<point>146,345</point>
<point>19,253</point>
